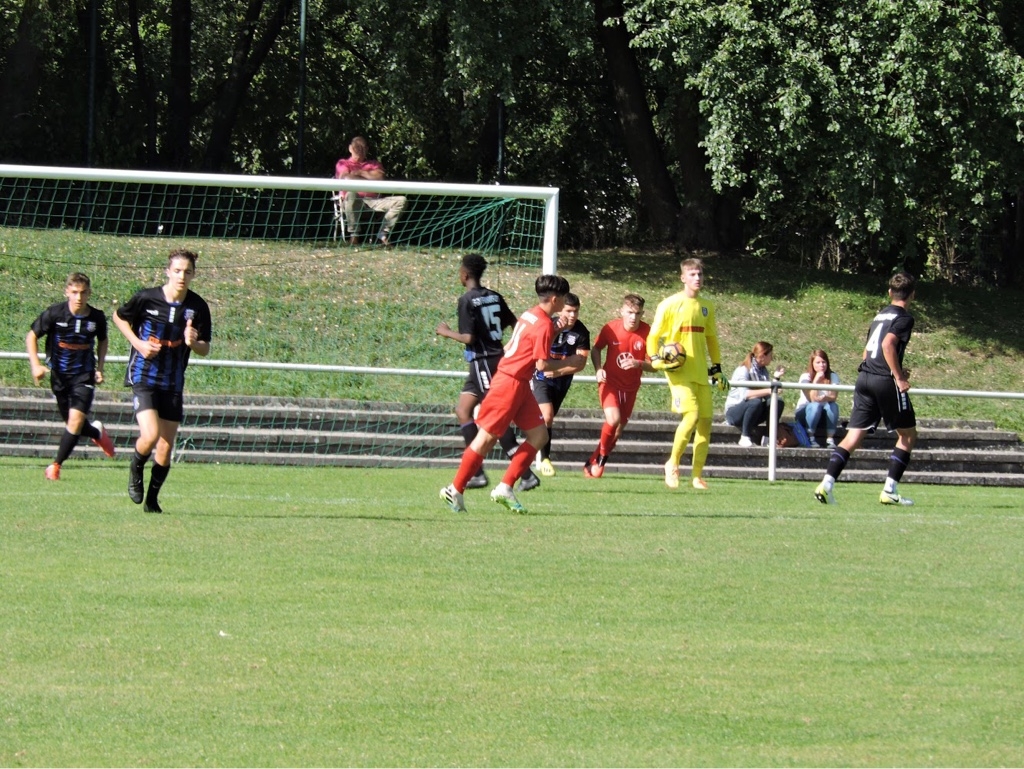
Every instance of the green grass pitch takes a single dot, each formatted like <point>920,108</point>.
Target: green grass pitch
<point>284,616</point>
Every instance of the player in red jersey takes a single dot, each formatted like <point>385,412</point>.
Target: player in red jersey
<point>618,380</point>
<point>511,399</point>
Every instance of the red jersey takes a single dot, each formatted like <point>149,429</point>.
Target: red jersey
<point>622,345</point>
<point>530,342</point>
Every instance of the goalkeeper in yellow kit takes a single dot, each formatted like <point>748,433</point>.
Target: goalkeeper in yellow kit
<point>689,321</point>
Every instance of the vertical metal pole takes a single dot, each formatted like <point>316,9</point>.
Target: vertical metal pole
<point>90,129</point>
<point>773,429</point>
<point>501,140</point>
<point>299,150</point>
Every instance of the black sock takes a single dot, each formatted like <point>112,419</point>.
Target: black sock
<point>837,461</point>
<point>156,480</point>
<point>898,461</point>
<point>469,431</point>
<point>68,441</point>
<point>88,431</point>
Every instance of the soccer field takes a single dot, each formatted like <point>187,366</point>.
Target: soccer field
<point>279,616</point>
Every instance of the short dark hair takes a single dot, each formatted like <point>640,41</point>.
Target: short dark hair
<point>546,285</point>
<point>182,253</point>
<point>571,300</point>
<point>474,264</point>
<point>902,285</point>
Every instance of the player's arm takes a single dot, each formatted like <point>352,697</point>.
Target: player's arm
<point>148,349</point>
<point>32,348</point>
<point>569,365</point>
<point>101,358</point>
<point>890,351</point>
<point>595,356</point>
<point>443,329</point>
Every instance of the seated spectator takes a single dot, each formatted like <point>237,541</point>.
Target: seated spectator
<point>747,407</point>
<point>815,404</point>
<point>358,165</point>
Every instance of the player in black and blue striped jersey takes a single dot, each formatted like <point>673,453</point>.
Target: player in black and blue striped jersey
<point>164,326</point>
<point>76,350</point>
<point>483,315</point>
<point>550,387</point>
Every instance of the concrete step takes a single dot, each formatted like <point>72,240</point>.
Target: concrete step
<point>361,434</point>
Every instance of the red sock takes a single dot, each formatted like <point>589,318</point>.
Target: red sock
<point>520,461</point>
<point>607,440</point>
<point>468,467</point>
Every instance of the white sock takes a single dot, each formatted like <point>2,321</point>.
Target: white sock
<point>890,486</point>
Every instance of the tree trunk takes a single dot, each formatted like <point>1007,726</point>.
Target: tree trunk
<point>179,92</point>
<point>698,220</point>
<point>144,84</point>
<point>19,86</point>
<point>246,61</point>
<point>643,151</point>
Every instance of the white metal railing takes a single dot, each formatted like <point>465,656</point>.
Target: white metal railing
<point>773,410</point>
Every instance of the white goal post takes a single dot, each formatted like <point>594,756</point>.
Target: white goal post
<point>547,196</point>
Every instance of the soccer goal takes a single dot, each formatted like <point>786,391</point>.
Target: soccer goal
<point>514,224</point>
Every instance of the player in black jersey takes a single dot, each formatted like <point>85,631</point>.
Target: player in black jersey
<point>164,325</point>
<point>483,315</point>
<point>76,350</point>
<point>881,394</point>
<point>551,387</point>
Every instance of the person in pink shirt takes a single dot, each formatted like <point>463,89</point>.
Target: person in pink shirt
<point>358,165</point>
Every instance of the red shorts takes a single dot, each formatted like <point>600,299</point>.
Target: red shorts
<point>620,399</point>
<point>508,400</point>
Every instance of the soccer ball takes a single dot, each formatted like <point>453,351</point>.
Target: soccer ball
<point>672,352</point>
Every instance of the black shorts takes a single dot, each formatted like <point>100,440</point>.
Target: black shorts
<point>547,391</point>
<point>481,372</point>
<point>877,399</point>
<point>166,403</point>
<point>75,393</point>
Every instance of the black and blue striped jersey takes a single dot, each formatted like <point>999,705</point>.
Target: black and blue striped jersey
<point>566,342</point>
<point>152,317</point>
<point>70,339</point>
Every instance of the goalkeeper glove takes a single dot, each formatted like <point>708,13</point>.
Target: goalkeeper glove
<point>718,379</point>
<point>660,364</point>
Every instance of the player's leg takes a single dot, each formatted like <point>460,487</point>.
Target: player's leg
<point>527,417</point>
<point>473,391</point>
<point>162,453</point>
<point>149,433</point>
<point>864,417</point>
<point>898,414</point>
<point>702,438</point>
<point>493,415</point>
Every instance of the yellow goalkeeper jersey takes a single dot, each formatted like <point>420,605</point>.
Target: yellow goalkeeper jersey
<point>691,324</point>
